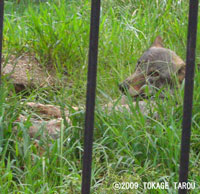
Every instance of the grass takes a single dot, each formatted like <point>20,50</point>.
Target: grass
<point>127,147</point>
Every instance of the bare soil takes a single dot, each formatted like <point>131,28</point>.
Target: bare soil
<point>25,72</point>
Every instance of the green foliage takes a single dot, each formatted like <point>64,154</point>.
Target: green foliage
<point>128,147</point>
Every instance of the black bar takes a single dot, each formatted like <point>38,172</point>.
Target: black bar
<point>90,101</point>
<point>188,94</point>
<point>1,31</point>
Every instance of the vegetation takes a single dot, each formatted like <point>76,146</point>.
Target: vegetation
<point>127,147</point>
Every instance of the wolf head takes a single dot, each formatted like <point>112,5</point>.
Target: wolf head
<point>156,68</point>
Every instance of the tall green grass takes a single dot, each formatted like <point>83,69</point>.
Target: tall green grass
<point>127,146</point>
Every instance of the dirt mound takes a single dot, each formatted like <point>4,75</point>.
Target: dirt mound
<point>25,72</point>
<point>49,121</point>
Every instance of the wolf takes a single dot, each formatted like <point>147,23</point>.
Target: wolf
<point>156,68</point>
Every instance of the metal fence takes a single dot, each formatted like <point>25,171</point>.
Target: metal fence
<point>91,88</point>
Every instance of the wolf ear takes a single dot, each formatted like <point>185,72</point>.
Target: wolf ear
<point>158,42</point>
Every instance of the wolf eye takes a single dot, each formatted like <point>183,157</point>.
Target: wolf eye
<point>138,63</point>
<point>154,74</point>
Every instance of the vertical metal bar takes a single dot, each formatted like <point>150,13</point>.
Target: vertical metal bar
<point>91,91</point>
<point>188,93</point>
<point>1,31</point>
